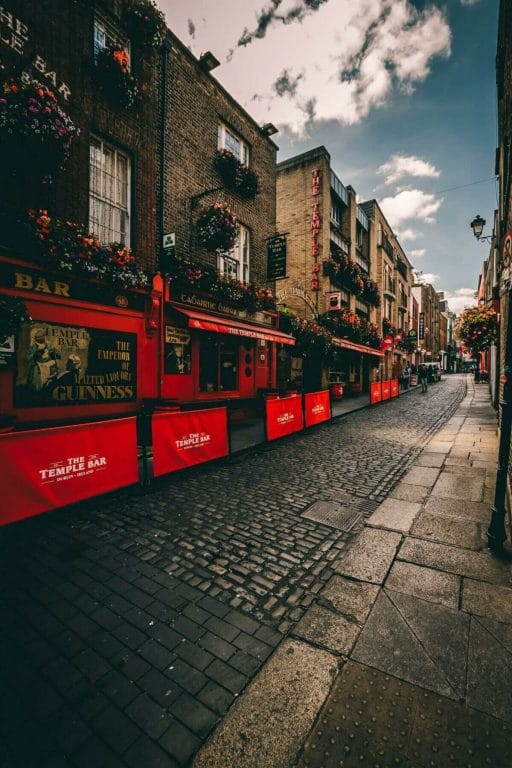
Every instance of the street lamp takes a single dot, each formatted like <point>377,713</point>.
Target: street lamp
<point>477,225</point>
<point>496,535</point>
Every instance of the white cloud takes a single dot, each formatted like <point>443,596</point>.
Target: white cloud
<point>459,299</point>
<point>343,58</point>
<point>418,253</point>
<point>408,234</point>
<point>410,205</point>
<point>468,2</point>
<point>400,166</point>
<point>427,277</point>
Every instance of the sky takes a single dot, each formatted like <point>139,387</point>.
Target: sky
<point>400,92</point>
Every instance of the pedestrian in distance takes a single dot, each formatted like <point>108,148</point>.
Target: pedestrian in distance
<point>423,376</point>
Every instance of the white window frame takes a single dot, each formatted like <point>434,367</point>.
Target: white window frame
<point>105,34</point>
<point>110,205</point>
<point>228,139</point>
<point>236,265</point>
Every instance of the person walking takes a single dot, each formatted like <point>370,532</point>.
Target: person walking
<point>423,376</point>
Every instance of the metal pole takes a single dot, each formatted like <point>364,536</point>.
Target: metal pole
<point>496,535</point>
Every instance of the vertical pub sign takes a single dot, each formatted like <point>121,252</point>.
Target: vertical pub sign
<point>72,365</point>
<point>276,258</point>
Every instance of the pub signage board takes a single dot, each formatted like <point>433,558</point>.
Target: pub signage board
<point>276,258</point>
<point>74,365</point>
<point>421,326</point>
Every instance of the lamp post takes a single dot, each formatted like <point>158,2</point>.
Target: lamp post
<point>496,534</point>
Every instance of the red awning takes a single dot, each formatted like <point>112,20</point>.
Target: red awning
<point>214,324</point>
<point>357,347</point>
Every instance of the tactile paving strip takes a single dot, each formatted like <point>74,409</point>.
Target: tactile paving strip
<point>373,720</point>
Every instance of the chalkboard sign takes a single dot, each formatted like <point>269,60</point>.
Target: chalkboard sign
<point>276,258</point>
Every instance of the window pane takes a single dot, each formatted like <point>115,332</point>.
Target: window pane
<point>109,214</point>
<point>208,365</point>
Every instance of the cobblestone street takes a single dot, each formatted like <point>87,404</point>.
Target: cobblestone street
<point>130,624</point>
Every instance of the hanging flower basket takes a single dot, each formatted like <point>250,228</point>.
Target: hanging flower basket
<point>247,184</point>
<point>35,134</point>
<point>13,314</point>
<point>145,23</point>
<point>477,327</point>
<point>114,76</point>
<point>68,246</point>
<point>236,175</point>
<point>194,275</point>
<point>217,229</point>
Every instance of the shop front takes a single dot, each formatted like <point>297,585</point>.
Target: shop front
<point>212,352</point>
<point>355,366</point>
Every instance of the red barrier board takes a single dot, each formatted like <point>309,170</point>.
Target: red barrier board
<point>283,416</point>
<point>386,390</point>
<point>185,438</point>
<point>375,392</point>
<point>317,407</point>
<point>394,387</point>
<point>49,468</point>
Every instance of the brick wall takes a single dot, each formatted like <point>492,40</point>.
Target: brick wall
<point>52,41</point>
<point>197,104</point>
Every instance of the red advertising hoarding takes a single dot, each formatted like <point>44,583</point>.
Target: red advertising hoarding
<point>184,438</point>
<point>386,390</point>
<point>394,387</point>
<point>283,416</point>
<point>375,392</point>
<point>48,468</point>
<point>317,407</point>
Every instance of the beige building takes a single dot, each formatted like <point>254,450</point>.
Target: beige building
<point>328,258</point>
<point>393,273</point>
<point>428,322</point>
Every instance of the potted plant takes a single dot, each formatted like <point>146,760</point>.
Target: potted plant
<point>236,175</point>
<point>145,22</point>
<point>217,228</point>
<point>35,134</point>
<point>13,314</point>
<point>114,76</point>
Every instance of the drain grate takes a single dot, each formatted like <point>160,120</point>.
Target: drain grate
<point>332,513</point>
<point>343,514</point>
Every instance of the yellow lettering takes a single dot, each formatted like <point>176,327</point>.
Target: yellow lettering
<point>42,286</point>
<point>61,289</point>
<point>23,281</point>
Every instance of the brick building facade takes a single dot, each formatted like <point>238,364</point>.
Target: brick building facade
<point>57,43</point>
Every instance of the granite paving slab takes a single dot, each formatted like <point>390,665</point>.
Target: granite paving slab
<point>409,493</point>
<point>490,600</point>
<point>330,630</point>
<point>465,470</point>
<point>435,446</point>
<point>388,643</point>
<point>443,633</point>
<point>429,460</point>
<point>489,671</point>
<point>353,599</point>
<point>457,461</point>
<point>466,486</point>
<point>475,565</point>
<point>449,530</point>
<point>268,724</point>
<point>394,514</point>
<point>501,632</point>
<point>425,583</point>
<point>473,511</point>
<point>370,556</point>
<point>424,476</point>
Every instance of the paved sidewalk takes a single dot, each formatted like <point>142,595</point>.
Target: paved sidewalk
<point>405,658</point>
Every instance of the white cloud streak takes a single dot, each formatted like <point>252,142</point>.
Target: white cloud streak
<point>344,58</point>
<point>418,253</point>
<point>401,166</point>
<point>410,205</point>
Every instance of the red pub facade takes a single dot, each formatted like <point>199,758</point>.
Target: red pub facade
<point>117,147</point>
